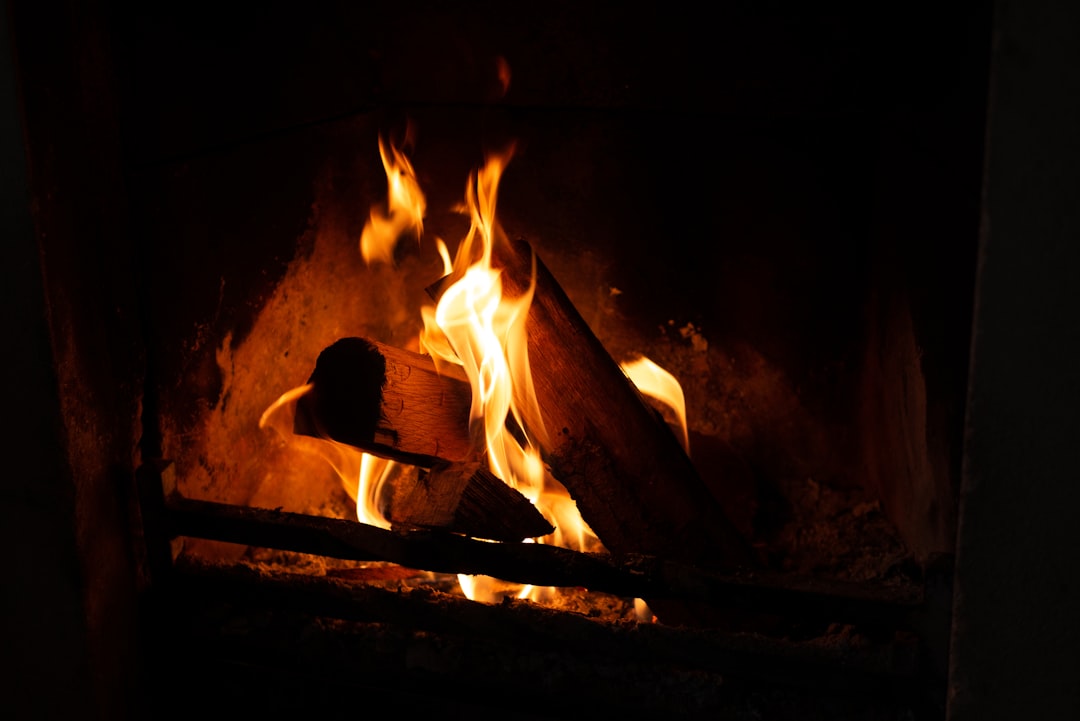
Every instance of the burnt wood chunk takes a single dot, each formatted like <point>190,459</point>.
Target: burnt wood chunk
<point>465,498</point>
<point>389,402</point>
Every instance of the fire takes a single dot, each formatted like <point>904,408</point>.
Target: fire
<point>404,211</point>
<point>478,327</point>
<point>657,383</point>
<point>363,475</point>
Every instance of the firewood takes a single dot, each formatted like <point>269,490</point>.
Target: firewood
<point>389,402</point>
<point>632,480</point>
<point>398,405</point>
<point>464,498</point>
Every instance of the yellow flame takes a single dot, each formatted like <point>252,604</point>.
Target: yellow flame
<point>656,382</point>
<point>444,253</point>
<point>642,611</point>
<point>404,212</point>
<point>477,325</point>
<point>362,475</point>
<point>374,474</point>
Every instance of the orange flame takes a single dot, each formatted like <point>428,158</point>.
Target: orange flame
<point>502,70</point>
<point>362,475</point>
<point>404,212</point>
<point>657,383</point>
<point>476,325</point>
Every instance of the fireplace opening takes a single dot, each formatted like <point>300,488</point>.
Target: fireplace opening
<point>779,207</point>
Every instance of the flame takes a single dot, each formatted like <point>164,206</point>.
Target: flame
<point>479,327</point>
<point>657,383</point>
<point>363,475</point>
<point>502,70</point>
<point>404,212</point>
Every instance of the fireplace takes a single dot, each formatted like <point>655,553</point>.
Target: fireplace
<point>781,207</point>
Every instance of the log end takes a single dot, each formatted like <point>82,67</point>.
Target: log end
<point>345,401</point>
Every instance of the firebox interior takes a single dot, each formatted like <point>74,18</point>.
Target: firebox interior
<point>794,241</point>
<point>778,204</point>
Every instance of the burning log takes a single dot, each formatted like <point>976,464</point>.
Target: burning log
<point>633,483</point>
<point>398,405</point>
<point>465,498</point>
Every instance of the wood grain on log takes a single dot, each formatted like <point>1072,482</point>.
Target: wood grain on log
<point>465,498</point>
<point>388,402</point>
